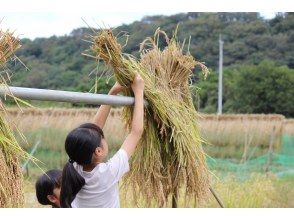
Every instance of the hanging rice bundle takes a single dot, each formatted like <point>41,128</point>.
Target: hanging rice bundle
<point>169,158</point>
<point>11,180</point>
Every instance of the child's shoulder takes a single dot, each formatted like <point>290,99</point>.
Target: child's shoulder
<point>99,168</point>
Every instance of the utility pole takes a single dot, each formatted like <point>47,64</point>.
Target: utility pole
<point>220,77</point>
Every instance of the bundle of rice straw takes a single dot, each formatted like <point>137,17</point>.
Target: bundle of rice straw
<point>11,180</point>
<point>169,158</point>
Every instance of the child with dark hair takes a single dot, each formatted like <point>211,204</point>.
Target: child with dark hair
<point>87,180</point>
<point>48,188</point>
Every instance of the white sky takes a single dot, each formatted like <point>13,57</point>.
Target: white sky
<point>36,18</point>
<point>45,24</point>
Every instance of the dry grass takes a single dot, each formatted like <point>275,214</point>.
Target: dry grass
<point>224,131</point>
<point>289,126</point>
<point>242,130</point>
<point>257,191</point>
<point>170,154</point>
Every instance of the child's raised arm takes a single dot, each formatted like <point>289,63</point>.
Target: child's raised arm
<point>136,132</point>
<point>103,111</point>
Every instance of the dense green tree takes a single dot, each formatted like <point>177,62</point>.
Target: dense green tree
<point>264,88</point>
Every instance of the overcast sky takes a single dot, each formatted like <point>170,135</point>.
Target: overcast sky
<point>35,18</point>
<point>41,24</point>
<point>45,24</point>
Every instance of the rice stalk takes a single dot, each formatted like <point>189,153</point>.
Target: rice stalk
<point>11,179</point>
<point>169,155</point>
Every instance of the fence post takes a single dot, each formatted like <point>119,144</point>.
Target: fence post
<point>270,151</point>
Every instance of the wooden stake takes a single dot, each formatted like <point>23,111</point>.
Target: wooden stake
<point>270,151</point>
<point>219,201</point>
<point>174,201</point>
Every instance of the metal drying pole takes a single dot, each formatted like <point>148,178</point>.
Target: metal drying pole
<point>65,96</point>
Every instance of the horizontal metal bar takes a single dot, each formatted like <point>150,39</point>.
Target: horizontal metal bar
<point>65,96</point>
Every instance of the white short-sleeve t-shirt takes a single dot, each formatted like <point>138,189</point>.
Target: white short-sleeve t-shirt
<point>101,188</point>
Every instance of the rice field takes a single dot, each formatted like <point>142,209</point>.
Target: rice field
<point>50,126</point>
<point>230,131</point>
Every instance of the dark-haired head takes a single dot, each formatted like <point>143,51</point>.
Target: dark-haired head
<point>84,145</point>
<point>81,143</point>
<point>48,188</point>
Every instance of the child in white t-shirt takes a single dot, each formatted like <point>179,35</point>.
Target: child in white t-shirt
<point>88,181</point>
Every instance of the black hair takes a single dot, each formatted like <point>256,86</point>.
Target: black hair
<point>80,145</point>
<point>46,184</point>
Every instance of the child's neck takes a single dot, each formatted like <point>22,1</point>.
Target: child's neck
<point>90,167</point>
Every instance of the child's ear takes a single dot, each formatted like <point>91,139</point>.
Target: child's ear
<point>98,151</point>
<point>52,199</point>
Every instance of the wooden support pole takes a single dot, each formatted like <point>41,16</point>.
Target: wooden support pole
<point>174,200</point>
<point>270,151</point>
<point>219,201</point>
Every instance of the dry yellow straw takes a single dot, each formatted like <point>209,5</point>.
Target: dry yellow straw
<point>169,158</point>
<point>11,180</point>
